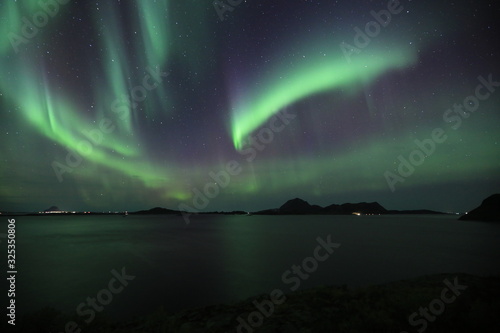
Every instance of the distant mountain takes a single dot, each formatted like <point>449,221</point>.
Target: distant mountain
<point>295,206</point>
<point>301,207</point>
<point>156,211</point>
<point>489,210</point>
<point>298,206</point>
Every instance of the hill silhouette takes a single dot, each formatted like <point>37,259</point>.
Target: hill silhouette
<point>489,210</point>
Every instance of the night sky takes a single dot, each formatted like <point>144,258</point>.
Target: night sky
<point>128,105</point>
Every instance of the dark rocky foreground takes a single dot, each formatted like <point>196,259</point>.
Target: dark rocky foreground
<point>473,306</point>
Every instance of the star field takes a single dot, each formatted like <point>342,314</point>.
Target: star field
<point>127,105</point>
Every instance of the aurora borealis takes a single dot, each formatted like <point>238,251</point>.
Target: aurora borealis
<point>127,105</point>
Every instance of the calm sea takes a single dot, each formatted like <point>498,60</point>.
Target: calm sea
<point>63,260</point>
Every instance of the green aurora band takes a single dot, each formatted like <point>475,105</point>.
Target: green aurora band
<point>312,77</point>
<point>55,116</point>
<point>55,113</point>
